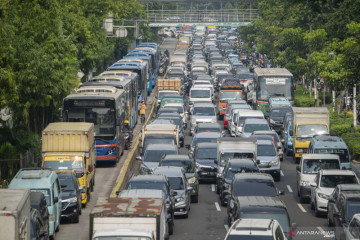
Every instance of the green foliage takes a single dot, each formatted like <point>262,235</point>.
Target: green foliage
<point>303,99</point>
<point>352,140</point>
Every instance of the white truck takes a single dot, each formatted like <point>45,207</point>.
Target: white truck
<point>233,148</point>
<point>129,218</point>
<point>308,122</point>
<point>15,214</point>
<point>158,134</point>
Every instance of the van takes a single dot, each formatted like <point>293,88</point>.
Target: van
<point>240,120</point>
<point>46,182</point>
<point>332,145</point>
<point>199,95</point>
<point>309,166</point>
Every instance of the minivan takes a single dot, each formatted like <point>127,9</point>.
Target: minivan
<point>46,182</point>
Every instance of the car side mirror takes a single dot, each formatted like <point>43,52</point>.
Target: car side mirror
<point>81,188</point>
<point>281,192</point>
<point>258,162</point>
<point>331,200</point>
<point>91,168</point>
<point>298,168</point>
<point>56,199</point>
<point>139,158</point>
<point>231,204</point>
<point>223,133</point>
<point>189,189</point>
<point>216,161</point>
<point>282,140</point>
<point>313,184</point>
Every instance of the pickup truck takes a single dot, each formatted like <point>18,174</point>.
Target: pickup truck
<point>163,133</point>
<point>140,218</point>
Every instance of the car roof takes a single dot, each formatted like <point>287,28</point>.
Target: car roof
<point>161,147</point>
<point>141,193</point>
<point>328,142</point>
<point>264,142</point>
<point>336,172</point>
<point>348,187</point>
<point>265,132</point>
<point>252,225</point>
<point>241,162</point>
<point>200,104</point>
<point>260,201</point>
<point>320,156</point>
<point>172,157</point>
<point>208,125</point>
<point>256,121</point>
<point>354,194</point>
<point>169,171</point>
<point>207,135</point>
<point>148,177</point>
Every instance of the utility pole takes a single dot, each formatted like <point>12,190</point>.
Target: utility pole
<point>354,105</point>
<point>333,92</point>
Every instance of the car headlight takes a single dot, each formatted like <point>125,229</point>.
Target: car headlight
<point>299,150</point>
<point>71,200</point>
<point>274,162</point>
<point>218,175</point>
<point>324,196</point>
<point>181,198</point>
<point>304,183</point>
<point>191,180</point>
<point>110,151</point>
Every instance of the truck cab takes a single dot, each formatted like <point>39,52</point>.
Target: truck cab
<point>331,145</point>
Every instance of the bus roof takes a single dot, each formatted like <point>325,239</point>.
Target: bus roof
<point>272,72</point>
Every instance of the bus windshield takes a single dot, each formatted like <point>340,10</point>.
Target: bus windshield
<point>103,119</point>
<point>270,87</point>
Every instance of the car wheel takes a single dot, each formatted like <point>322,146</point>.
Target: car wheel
<point>76,218</point>
<point>312,207</point>
<point>217,189</point>
<point>302,199</point>
<point>195,199</point>
<point>80,211</point>
<point>277,177</point>
<point>171,227</point>
<point>222,200</point>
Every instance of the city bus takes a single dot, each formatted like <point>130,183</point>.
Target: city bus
<point>152,52</point>
<point>272,82</point>
<point>143,63</point>
<point>136,68</point>
<point>120,82</point>
<point>105,107</point>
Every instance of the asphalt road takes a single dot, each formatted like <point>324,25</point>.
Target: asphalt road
<point>207,218</point>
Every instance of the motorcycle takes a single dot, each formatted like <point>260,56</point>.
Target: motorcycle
<point>127,138</point>
<point>163,66</point>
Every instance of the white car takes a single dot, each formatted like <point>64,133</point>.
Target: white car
<point>325,183</point>
<point>242,116</point>
<point>256,228</point>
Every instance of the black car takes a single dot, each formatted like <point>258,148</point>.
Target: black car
<point>346,206</point>
<point>70,195</point>
<point>234,166</point>
<point>39,229</point>
<point>205,154</point>
<point>38,202</point>
<point>251,184</point>
<point>276,116</point>
<point>261,207</point>
<point>159,182</point>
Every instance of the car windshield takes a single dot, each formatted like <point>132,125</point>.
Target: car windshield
<point>352,207</point>
<point>121,238</point>
<point>175,120</point>
<point>161,94</point>
<point>249,76</point>
<point>330,181</point>
<point>241,120</point>
<point>187,165</point>
<point>249,128</point>
<point>230,95</point>
<point>279,112</point>
<point>205,153</point>
<point>312,166</point>
<point>311,130</point>
<point>203,111</point>
<point>254,187</point>
<point>225,156</point>
<point>156,154</point>
<point>200,93</point>
<point>265,150</point>
<point>280,215</point>
<point>176,183</point>
<point>159,139</point>
<point>159,185</point>
<point>76,165</point>
<point>180,108</point>
<point>67,183</point>
<point>231,171</point>
<point>200,140</point>
<point>342,153</point>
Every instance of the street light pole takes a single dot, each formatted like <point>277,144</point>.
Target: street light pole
<point>333,92</point>
<point>354,105</point>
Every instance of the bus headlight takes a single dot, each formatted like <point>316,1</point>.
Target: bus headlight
<point>111,150</point>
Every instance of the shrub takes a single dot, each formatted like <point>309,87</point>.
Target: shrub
<point>352,140</point>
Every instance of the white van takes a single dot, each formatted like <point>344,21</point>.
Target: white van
<point>255,114</point>
<point>197,94</point>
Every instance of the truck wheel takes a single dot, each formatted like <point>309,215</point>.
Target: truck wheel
<point>76,218</point>
<point>277,177</point>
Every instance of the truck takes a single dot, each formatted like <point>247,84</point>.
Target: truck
<point>231,89</point>
<point>71,146</point>
<point>135,218</point>
<point>159,133</point>
<point>169,84</point>
<point>232,148</point>
<point>308,122</point>
<point>15,214</point>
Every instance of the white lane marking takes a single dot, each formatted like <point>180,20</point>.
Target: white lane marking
<point>320,229</point>
<point>326,233</point>
<point>226,227</point>
<point>289,188</point>
<point>281,173</point>
<point>217,206</point>
<point>213,187</point>
<point>301,207</point>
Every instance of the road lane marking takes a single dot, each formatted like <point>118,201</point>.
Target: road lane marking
<point>226,227</point>
<point>301,207</point>
<point>281,173</point>
<point>213,187</point>
<point>217,206</point>
<point>289,188</point>
<point>326,233</point>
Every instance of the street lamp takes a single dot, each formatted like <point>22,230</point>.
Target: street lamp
<point>333,92</point>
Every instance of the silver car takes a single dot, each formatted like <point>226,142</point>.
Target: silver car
<point>269,158</point>
<point>201,113</point>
